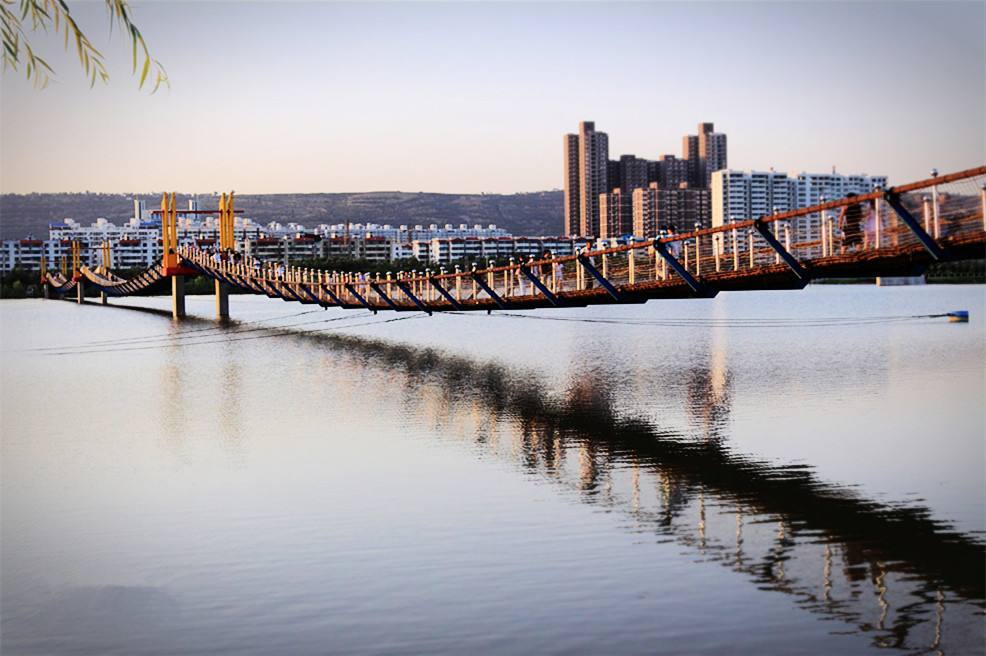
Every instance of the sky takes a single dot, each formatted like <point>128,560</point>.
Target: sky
<point>270,97</point>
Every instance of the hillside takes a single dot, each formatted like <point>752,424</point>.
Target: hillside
<point>537,213</point>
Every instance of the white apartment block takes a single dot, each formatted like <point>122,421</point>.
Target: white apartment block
<point>408,233</point>
<point>446,250</point>
<point>744,195</point>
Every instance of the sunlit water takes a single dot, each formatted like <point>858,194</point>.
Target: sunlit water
<point>463,484</point>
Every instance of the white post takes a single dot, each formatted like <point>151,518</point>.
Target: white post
<point>934,205</point>
<point>698,256</point>
<point>686,255</point>
<point>749,235</point>
<point>926,211</point>
<point>631,265</point>
<point>717,249</point>
<point>822,233</point>
<point>735,250</point>
<point>878,221</point>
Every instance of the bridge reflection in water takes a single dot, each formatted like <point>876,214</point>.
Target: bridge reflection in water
<point>893,572</point>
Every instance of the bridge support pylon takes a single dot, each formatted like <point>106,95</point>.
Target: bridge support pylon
<point>177,297</point>
<point>80,292</point>
<point>102,298</point>
<point>222,300</point>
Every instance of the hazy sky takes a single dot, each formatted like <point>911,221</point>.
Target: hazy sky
<point>468,97</point>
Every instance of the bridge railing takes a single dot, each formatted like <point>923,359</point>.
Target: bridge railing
<point>949,210</point>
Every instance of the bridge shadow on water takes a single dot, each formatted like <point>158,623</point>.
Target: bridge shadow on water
<point>887,569</point>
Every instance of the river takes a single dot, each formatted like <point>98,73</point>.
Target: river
<point>763,472</point>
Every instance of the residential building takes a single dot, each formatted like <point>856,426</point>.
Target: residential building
<point>815,188</point>
<point>705,153</point>
<point>571,185</point>
<point>743,195</point>
<point>616,213</point>
<point>671,172</point>
<point>689,152</point>
<point>446,250</point>
<point>633,174</point>
<point>656,209</point>
<point>593,176</point>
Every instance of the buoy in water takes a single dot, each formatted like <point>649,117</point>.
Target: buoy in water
<point>959,316</point>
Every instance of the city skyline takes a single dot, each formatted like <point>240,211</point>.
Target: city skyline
<point>396,97</point>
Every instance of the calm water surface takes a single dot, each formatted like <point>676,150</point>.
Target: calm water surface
<point>330,483</point>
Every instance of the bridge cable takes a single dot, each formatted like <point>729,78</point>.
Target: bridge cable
<point>730,323</point>
<point>238,327</point>
<point>237,324</point>
<point>280,333</point>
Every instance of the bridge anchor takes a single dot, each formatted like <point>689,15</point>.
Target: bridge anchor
<point>697,287</point>
<point>789,260</point>
<point>597,274</point>
<point>929,244</point>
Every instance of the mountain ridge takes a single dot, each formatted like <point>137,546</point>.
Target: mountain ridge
<point>525,213</point>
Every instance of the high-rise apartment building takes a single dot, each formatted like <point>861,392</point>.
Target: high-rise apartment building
<point>705,152</point>
<point>743,195</point>
<point>671,172</point>
<point>689,152</point>
<point>814,188</point>
<point>633,173</point>
<point>712,149</point>
<point>615,214</point>
<point>593,176</point>
<point>613,174</point>
<point>645,211</point>
<point>571,193</point>
<point>590,174</point>
<point>657,209</point>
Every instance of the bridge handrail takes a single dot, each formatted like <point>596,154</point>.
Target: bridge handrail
<point>956,209</point>
<point>736,225</point>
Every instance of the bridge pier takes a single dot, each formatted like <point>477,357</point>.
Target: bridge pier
<point>222,300</point>
<point>80,292</point>
<point>177,297</point>
<point>103,299</point>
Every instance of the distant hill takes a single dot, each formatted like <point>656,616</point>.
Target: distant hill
<point>536,213</point>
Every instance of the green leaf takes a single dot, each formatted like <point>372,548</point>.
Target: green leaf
<point>143,74</point>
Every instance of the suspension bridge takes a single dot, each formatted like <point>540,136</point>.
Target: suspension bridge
<point>892,232</point>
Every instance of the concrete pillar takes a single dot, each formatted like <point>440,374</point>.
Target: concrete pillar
<point>177,297</point>
<point>222,300</point>
<point>102,298</point>
<point>47,290</point>
<point>80,292</point>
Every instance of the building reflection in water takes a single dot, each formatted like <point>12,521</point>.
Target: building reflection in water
<point>889,571</point>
